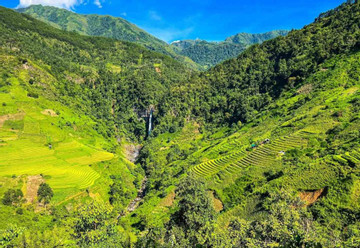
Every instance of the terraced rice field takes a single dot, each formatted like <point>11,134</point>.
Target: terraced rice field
<point>25,132</point>
<point>212,167</point>
<point>352,157</point>
<point>263,155</point>
<point>67,165</point>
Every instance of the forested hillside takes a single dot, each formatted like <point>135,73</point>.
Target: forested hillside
<point>105,26</point>
<point>204,54</point>
<point>259,151</point>
<point>250,39</point>
<point>67,118</point>
<point>109,83</point>
<point>208,54</point>
<point>238,88</point>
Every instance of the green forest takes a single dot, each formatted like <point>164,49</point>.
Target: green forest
<point>261,150</point>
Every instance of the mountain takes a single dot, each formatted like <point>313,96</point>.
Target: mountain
<point>196,54</point>
<point>251,39</point>
<point>261,150</point>
<point>105,26</point>
<point>209,54</point>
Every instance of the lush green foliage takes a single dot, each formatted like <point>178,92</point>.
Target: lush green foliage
<point>45,193</point>
<point>12,197</point>
<point>113,83</point>
<point>105,26</point>
<point>239,88</point>
<point>260,151</point>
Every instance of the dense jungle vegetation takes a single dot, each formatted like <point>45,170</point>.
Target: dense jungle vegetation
<point>259,151</point>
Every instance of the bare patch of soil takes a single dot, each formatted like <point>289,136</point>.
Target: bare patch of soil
<point>218,205</point>
<point>12,117</point>
<point>306,89</point>
<point>49,112</point>
<point>310,197</point>
<point>168,201</point>
<point>158,70</point>
<point>32,186</point>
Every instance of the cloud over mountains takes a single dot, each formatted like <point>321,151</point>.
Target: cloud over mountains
<point>66,4</point>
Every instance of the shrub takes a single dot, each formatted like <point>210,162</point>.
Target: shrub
<point>19,211</point>
<point>33,95</point>
<point>12,197</point>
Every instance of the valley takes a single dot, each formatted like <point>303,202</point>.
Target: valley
<point>105,142</point>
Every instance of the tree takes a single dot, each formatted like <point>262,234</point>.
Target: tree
<point>12,197</point>
<point>192,222</point>
<point>45,193</point>
<point>93,224</point>
<point>287,224</point>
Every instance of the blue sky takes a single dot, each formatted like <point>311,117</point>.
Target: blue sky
<point>205,19</point>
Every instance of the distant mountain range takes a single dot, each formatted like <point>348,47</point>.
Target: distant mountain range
<point>196,54</point>
<point>105,26</point>
<point>208,54</point>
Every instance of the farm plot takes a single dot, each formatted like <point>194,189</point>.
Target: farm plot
<point>66,166</point>
<point>261,156</point>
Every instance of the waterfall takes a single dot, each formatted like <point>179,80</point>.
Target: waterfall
<point>150,122</point>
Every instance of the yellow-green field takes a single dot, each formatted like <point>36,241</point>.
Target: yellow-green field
<point>67,164</point>
<point>38,136</point>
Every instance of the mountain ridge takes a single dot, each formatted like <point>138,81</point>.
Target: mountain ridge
<point>209,54</point>
<point>200,55</point>
<point>99,25</point>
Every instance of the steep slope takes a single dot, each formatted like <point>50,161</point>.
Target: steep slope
<point>238,88</point>
<point>105,26</point>
<point>271,138</point>
<point>288,173</point>
<point>40,136</point>
<point>62,117</point>
<point>209,54</point>
<point>114,83</point>
<point>305,144</point>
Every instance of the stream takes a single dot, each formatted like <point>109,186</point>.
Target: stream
<point>132,156</point>
<point>140,195</point>
<point>135,203</point>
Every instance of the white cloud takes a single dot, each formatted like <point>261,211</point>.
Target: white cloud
<point>66,4</point>
<point>98,3</point>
